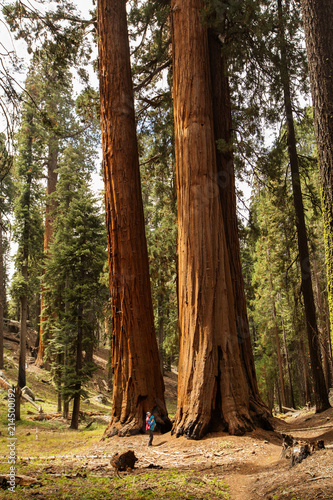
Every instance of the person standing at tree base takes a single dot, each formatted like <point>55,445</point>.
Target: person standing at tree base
<point>150,426</point>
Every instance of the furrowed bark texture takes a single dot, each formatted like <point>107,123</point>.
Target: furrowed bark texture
<point>226,182</point>
<point>318,22</point>
<point>138,384</point>
<point>212,387</point>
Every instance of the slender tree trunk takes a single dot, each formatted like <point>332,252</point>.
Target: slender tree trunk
<point>322,326</point>
<point>305,373</point>
<point>227,187</point>
<point>278,395</point>
<point>23,341</point>
<point>78,372</point>
<point>65,408</point>
<point>2,294</point>
<point>318,22</point>
<point>321,394</point>
<point>52,178</point>
<point>24,298</point>
<point>58,382</point>
<point>160,331</point>
<point>278,352</point>
<point>138,384</point>
<point>212,387</point>
<point>285,346</point>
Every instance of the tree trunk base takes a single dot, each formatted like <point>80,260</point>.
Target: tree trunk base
<point>260,415</point>
<point>323,407</point>
<point>237,425</point>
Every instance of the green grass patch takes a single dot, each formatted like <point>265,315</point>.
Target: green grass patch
<point>164,485</point>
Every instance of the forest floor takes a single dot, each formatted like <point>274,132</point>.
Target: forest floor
<point>54,462</point>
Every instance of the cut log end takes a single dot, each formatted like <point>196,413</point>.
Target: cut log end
<point>296,451</point>
<point>124,462</point>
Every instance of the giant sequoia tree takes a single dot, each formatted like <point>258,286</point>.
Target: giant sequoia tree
<point>318,21</point>
<point>212,385</point>
<point>138,383</point>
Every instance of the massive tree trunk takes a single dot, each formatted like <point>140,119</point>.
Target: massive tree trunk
<point>318,22</point>
<point>138,384</point>
<point>227,187</point>
<point>52,178</point>
<point>212,386</point>
<point>321,393</point>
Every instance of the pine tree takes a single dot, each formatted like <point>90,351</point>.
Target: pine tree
<point>160,206</point>
<point>56,112</point>
<point>6,205</point>
<point>74,295</point>
<point>273,229</point>
<point>28,229</point>
<point>321,393</point>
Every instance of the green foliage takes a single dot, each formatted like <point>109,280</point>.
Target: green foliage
<point>74,295</point>
<point>28,228</point>
<point>150,30</point>
<point>159,196</point>
<point>271,256</point>
<point>59,30</point>
<point>7,192</point>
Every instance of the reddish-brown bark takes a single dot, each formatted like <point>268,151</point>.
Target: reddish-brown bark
<point>138,384</point>
<point>318,21</point>
<point>212,387</point>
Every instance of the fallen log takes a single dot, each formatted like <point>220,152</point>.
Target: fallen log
<point>297,451</point>
<point>11,339</point>
<point>289,409</point>
<point>20,480</point>
<point>6,385</point>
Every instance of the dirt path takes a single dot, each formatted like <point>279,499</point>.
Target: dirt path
<point>249,464</point>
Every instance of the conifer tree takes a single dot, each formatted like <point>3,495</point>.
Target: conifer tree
<point>273,228</point>
<point>6,204</point>
<point>160,207</point>
<point>321,393</point>
<point>55,102</point>
<point>74,295</point>
<point>28,229</point>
